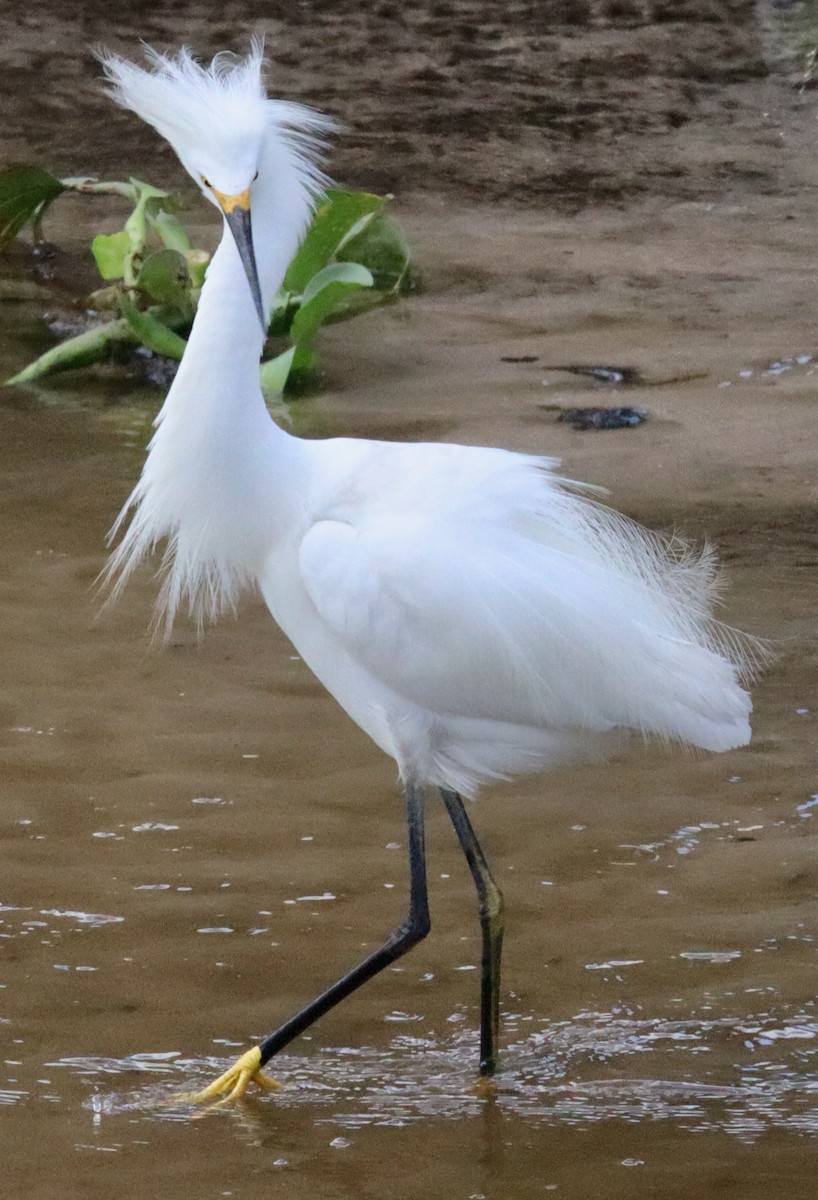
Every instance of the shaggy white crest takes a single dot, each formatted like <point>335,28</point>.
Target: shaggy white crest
<point>218,112</point>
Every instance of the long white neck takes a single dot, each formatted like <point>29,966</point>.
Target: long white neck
<point>221,476</point>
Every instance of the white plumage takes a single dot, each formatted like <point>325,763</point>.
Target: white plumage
<point>474,613</point>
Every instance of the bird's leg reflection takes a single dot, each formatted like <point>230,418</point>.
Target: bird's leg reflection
<point>247,1069</point>
<point>491,924</point>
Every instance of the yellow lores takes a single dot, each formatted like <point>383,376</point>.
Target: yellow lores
<point>230,203</point>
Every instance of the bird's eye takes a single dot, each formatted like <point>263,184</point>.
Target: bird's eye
<point>255,177</point>
<point>206,182</point>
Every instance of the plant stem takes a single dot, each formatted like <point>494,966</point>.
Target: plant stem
<point>77,351</point>
<point>88,186</point>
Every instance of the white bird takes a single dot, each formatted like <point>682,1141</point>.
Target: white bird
<point>477,615</point>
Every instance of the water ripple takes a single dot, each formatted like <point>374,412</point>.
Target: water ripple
<point>740,1076</point>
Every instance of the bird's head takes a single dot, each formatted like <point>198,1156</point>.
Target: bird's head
<point>233,141</point>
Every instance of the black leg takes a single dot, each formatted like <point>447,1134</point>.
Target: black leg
<point>411,930</point>
<point>491,923</point>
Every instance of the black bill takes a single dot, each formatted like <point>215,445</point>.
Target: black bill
<point>238,220</point>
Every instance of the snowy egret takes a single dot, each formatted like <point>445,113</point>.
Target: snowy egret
<point>477,615</point>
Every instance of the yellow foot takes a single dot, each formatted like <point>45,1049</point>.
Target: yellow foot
<point>233,1084</point>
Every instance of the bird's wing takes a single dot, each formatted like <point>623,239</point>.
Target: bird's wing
<point>508,606</point>
<point>402,605</point>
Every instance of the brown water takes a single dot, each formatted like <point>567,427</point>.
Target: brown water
<point>194,841</point>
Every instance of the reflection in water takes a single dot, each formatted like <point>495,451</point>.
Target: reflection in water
<point>686,1071</point>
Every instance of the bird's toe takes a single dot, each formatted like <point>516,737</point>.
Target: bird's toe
<point>233,1084</point>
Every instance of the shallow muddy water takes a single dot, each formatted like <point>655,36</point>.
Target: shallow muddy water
<point>195,840</point>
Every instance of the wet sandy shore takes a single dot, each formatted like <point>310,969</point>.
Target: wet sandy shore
<point>194,841</point>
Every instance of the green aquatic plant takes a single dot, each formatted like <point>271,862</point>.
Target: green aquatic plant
<point>354,257</point>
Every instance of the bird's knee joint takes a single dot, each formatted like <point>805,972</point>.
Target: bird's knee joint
<point>492,906</point>
<point>421,926</point>
<point>415,927</point>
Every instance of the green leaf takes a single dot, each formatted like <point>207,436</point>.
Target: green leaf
<point>354,230</point>
<point>275,372</point>
<point>24,191</point>
<point>334,218</point>
<point>146,191</point>
<point>79,351</point>
<point>305,361</point>
<point>148,200</point>
<point>164,276</point>
<point>347,272</point>
<point>284,309</point>
<point>110,251</point>
<point>381,246</point>
<point>170,230</point>
<point>152,332</point>
<point>197,262</point>
<point>325,294</point>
